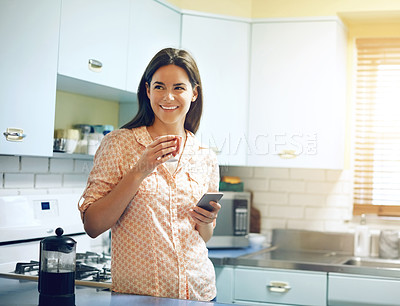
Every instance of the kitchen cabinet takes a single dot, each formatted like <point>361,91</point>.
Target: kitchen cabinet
<point>260,286</point>
<point>94,41</point>
<point>297,94</point>
<point>347,289</point>
<point>224,282</point>
<point>28,59</point>
<point>221,50</point>
<point>153,26</point>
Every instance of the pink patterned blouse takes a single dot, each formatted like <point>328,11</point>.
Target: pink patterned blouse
<point>155,248</point>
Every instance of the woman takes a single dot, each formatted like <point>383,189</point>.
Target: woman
<point>158,232</point>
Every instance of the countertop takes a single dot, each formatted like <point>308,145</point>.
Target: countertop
<point>25,293</point>
<point>276,258</point>
<point>223,256</point>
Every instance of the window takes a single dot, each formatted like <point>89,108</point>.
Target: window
<point>377,127</point>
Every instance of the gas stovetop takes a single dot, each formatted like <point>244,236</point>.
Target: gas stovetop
<point>90,266</point>
<point>28,219</point>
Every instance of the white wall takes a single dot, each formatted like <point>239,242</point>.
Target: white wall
<point>311,199</point>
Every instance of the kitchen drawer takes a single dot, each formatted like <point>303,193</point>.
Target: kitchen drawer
<point>303,288</point>
<point>345,289</point>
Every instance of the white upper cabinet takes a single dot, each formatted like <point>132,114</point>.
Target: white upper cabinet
<point>94,41</point>
<point>297,94</point>
<point>153,26</point>
<point>28,60</point>
<point>221,50</point>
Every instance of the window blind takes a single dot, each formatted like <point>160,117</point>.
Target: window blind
<point>377,122</point>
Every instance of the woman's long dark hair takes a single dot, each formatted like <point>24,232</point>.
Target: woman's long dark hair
<point>169,56</point>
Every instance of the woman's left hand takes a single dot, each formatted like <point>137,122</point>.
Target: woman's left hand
<point>202,216</point>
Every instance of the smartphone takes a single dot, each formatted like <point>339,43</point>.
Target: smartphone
<point>204,202</point>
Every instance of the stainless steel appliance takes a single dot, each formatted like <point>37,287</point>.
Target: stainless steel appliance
<point>233,222</point>
<point>26,220</point>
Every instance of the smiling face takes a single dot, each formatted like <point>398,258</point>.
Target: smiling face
<point>171,94</point>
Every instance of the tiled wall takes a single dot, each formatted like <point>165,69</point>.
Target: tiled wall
<point>38,175</point>
<point>311,199</point>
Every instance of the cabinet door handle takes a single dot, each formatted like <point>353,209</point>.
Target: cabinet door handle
<point>95,65</point>
<point>216,150</point>
<point>14,134</point>
<point>278,286</point>
<point>287,154</point>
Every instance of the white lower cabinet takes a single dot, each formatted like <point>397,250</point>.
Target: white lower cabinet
<point>224,281</point>
<point>347,289</point>
<point>262,286</point>
<point>280,287</point>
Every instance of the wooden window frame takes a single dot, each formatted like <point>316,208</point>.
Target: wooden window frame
<point>379,210</point>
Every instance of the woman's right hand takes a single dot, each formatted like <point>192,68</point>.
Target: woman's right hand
<point>156,153</point>
<point>106,211</point>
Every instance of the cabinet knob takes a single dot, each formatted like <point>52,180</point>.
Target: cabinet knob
<point>95,65</point>
<point>278,286</point>
<point>14,134</point>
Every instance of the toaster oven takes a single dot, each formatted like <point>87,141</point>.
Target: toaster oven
<point>233,221</point>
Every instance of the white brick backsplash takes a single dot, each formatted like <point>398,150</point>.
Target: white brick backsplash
<point>253,184</point>
<point>263,208</point>
<point>8,192</point>
<point>59,165</point>
<point>18,180</point>
<point>288,212</point>
<point>78,190</point>
<point>9,164</point>
<point>75,180</point>
<point>339,175</point>
<point>314,225</point>
<point>312,213</point>
<point>339,200</point>
<point>269,223</point>
<point>347,187</point>
<point>276,173</point>
<point>311,199</point>
<point>307,174</point>
<point>336,226</point>
<point>270,198</point>
<point>323,187</point>
<point>32,191</point>
<point>48,181</point>
<point>333,175</point>
<point>34,164</point>
<point>307,199</point>
<point>287,185</point>
<point>243,172</point>
<point>83,166</point>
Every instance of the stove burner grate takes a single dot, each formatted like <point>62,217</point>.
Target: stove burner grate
<point>25,267</point>
<point>87,264</point>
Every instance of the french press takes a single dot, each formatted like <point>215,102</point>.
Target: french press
<point>57,270</point>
